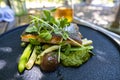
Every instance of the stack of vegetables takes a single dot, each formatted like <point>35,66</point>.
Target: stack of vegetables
<point>49,42</point>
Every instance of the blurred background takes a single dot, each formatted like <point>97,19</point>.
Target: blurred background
<point>104,13</point>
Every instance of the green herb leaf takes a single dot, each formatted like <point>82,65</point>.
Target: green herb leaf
<point>47,14</point>
<point>31,29</point>
<point>47,24</point>
<point>34,41</point>
<point>63,22</point>
<point>45,35</point>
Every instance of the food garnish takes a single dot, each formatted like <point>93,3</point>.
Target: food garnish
<point>49,42</point>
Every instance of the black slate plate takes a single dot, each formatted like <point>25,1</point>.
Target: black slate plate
<point>105,65</point>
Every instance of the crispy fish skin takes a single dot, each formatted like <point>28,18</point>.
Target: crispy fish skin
<point>54,40</point>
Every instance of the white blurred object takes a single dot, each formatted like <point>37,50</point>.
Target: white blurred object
<point>6,14</point>
<point>104,3</point>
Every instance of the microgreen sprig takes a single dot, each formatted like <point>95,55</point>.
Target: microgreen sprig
<point>46,25</point>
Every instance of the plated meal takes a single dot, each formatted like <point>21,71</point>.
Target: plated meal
<point>104,65</point>
<point>51,42</point>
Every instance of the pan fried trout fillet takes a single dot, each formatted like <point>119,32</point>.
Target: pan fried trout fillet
<point>74,34</point>
<point>55,39</point>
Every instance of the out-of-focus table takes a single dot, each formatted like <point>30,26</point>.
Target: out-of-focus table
<point>22,20</point>
<point>3,27</point>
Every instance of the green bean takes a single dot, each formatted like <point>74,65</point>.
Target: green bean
<point>24,58</point>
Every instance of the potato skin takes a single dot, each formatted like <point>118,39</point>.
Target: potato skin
<point>49,62</point>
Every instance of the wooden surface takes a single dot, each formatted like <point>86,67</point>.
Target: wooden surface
<point>3,27</point>
<point>18,21</point>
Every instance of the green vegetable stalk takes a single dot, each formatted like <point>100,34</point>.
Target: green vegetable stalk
<point>32,59</point>
<point>24,58</point>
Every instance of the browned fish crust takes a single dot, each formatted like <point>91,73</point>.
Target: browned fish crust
<point>54,40</point>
